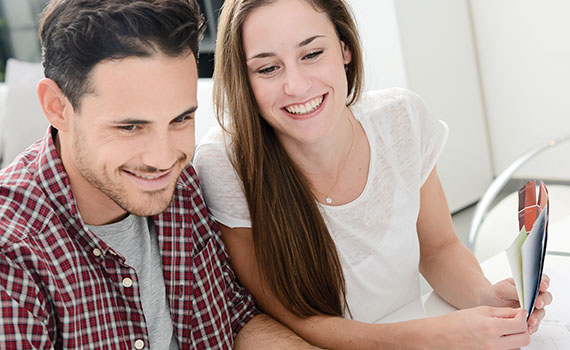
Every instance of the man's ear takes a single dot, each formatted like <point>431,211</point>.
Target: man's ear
<point>55,105</point>
<point>346,53</point>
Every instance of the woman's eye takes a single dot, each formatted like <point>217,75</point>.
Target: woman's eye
<point>268,70</point>
<point>312,55</point>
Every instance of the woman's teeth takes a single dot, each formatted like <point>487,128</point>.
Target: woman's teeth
<point>305,108</point>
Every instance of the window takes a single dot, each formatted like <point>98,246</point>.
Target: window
<point>211,11</point>
<point>19,20</point>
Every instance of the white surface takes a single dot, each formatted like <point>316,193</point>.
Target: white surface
<point>524,53</point>
<point>554,332</point>
<point>559,236</point>
<point>441,66</point>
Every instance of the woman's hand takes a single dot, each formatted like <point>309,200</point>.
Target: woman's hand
<point>486,327</point>
<point>504,294</point>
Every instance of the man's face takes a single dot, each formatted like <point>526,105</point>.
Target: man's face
<point>132,136</point>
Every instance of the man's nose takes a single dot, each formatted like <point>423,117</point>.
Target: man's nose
<point>160,153</point>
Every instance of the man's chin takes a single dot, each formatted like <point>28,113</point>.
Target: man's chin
<point>150,207</point>
<point>144,212</point>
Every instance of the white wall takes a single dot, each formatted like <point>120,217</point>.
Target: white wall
<point>380,35</point>
<point>427,46</point>
<point>441,65</point>
<point>205,118</point>
<point>524,53</point>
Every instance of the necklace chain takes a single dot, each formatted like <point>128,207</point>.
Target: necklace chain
<point>328,199</point>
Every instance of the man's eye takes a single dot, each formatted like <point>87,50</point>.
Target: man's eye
<point>183,118</point>
<point>312,55</point>
<point>129,127</point>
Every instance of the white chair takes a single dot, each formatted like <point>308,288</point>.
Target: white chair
<point>22,121</point>
<point>494,227</point>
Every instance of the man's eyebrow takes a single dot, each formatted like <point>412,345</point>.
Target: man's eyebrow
<point>134,121</point>
<point>186,112</point>
<point>301,44</point>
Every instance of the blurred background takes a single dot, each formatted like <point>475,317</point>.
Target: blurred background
<point>497,72</point>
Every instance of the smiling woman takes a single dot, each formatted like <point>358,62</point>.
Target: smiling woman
<point>328,199</point>
<point>288,65</point>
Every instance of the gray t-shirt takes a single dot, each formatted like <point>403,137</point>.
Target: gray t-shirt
<point>135,239</point>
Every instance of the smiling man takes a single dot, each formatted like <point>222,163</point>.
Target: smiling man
<point>105,241</point>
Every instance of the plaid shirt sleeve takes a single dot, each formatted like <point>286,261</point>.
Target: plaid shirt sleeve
<point>24,321</point>
<point>218,306</point>
<point>240,302</point>
<point>239,299</point>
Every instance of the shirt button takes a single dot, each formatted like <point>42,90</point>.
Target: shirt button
<point>127,282</point>
<point>139,344</point>
<point>97,252</point>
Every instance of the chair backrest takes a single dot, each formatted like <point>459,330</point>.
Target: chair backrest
<point>22,121</point>
<point>498,222</point>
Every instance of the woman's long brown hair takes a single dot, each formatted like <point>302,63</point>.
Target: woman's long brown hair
<point>295,253</point>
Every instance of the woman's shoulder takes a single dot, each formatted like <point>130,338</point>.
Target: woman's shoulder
<point>219,181</point>
<point>212,157</point>
<point>386,98</point>
<point>215,137</point>
<point>389,109</point>
<point>212,146</point>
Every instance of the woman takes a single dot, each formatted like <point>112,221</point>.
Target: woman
<point>328,201</point>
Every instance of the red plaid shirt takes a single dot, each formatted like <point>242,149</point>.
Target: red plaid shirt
<point>62,287</point>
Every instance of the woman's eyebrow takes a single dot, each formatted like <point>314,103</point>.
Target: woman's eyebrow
<point>272,54</point>
<point>309,40</point>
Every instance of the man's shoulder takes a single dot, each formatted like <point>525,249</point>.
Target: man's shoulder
<point>25,208</point>
<point>187,199</point>
<point>188,213</point>
<point>188,180</point>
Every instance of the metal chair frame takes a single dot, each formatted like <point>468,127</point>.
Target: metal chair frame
<point>485,203</point>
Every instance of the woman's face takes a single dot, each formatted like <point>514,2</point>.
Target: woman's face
<point>295,64</point>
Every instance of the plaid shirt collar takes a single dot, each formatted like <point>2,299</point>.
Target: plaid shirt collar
<point>54,182</point>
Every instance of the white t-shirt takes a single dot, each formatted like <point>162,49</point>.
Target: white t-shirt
<point>375,234</point>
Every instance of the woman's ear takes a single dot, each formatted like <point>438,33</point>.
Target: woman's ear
<point>346,53</point>
<point>54,104</point>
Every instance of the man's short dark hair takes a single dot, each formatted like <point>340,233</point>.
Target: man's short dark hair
<point>77,34</point>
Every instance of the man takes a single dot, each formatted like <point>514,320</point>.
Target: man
<point>105,241</point>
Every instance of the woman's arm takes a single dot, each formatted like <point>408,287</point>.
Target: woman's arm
<point>443,257</point>
<point>264,332</point>
<point>451,268</point>
<point>504,328</point>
